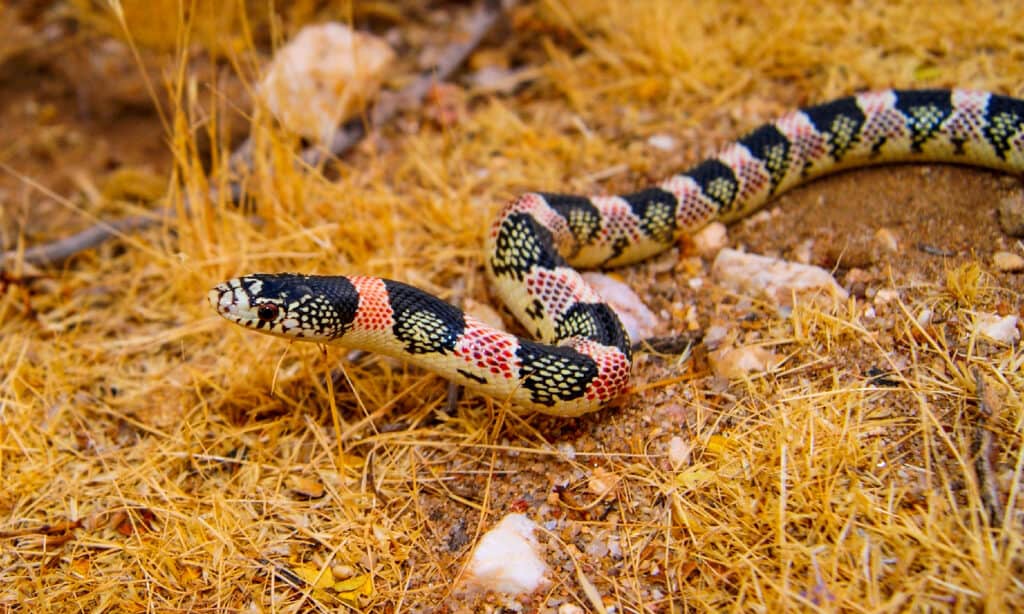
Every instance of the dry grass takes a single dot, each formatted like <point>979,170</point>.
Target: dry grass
<point>154,458</point>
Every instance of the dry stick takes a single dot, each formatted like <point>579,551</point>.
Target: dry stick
<point>57,251</point>
<point>343,139</point>
<point>981,448</point>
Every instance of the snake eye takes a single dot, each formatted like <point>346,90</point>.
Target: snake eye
<point>267,312</point>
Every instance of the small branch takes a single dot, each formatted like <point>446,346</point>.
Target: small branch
<point>982,449</point>
<point>346,137</point>
<point>62,249</point>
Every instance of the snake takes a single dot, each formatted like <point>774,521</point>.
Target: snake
<point>580,357</point>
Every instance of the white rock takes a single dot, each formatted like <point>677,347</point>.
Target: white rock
<point>639,320</point>
<point>777,280</point>
<point>679,452</point>
<point>715,335</point>
<point>711,239</point>
<point>804,251</point>
<point>1008,261</point>
<point>507,559</point>
<point>569,608</point>
<point>601,481</point>
<point>324,75</point>
<point>736,362</point>
<point>566,450</point>
<point>614,547</point>
<point>664,142</point>
<point>597,547</point>
<point>886,295</point>
<point>886,241</point>
<point>998,329</point>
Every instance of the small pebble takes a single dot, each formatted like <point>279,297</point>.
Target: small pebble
<point>804,252</point>
<point>736,362</point>
<point>597,547</point>
<point>715,335</point>
<point>679,452</point>
<point>711,239</point>
<point>886,241</point>
<point>886,295</point>
<point>664,142</point>
<point>324,75</point>
<point>856,274</point>
<point>777,280</point>
<point>998,329</point>
<point>857,281</point>
<point>507,559</point>
<point>1011,213</point>
<point>602,481</point>
<point>1008,261</point>
<point>639,320</point>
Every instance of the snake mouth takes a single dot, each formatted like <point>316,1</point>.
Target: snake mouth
<point>229,301</point>
<point>220,298</point>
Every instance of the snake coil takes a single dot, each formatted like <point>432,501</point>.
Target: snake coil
<point>537,241</point>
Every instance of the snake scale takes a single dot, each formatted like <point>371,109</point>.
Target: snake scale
<point>583,359</point>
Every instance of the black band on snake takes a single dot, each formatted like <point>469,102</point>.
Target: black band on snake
<point>583,358</point>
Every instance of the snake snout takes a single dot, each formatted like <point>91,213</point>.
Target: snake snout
<point>222,298</point>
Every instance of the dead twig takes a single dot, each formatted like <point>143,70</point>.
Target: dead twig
<point>60,528</point>
<point>62,249</point>
<point>347,136</point>
<point>982,450</point>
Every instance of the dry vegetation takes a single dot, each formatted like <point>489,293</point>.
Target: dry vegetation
<point>153,457</point>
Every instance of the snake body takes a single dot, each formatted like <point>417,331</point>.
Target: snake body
<point>538,240</point>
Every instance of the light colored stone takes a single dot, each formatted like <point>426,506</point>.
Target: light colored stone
<point>602,481</point>
<point>804,251</point>
<point>886,241</point>
<point>566,451</point>
<point>1008,261</point>
<point>714,335</point>
<point>999,329</point>
<point>639,320</point>
<point>507,559</point>
<point>711,239</point>
<point>774,279</point>
<point>664,142</point>
<point>732,363</point>
<point>886,295</point>
<point>323,76</point>
<point>679,452</point>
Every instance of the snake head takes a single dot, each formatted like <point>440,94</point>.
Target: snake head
<point>288,305</point>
